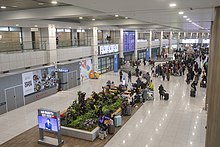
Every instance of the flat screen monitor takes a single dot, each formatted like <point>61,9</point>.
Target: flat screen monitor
<point>48,124</point>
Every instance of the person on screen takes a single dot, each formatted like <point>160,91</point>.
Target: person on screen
<point>48,125</point>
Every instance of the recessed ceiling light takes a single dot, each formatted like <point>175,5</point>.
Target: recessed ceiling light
<point>89,28</point>
<point>54,2</point>
<point>126,17</point>
<point>80,17</point>
<point>35,25</point>
<point>116,15</point>
<point>3,7</point>
<point>14,6</point>
<point>17,25</point>
<point>69,27</point>
<point>187,19</point>
<point>172,5</point>
<point>190,20</point>
<point>185,16</point>
<point>181,13</point>
<point>93,19</point>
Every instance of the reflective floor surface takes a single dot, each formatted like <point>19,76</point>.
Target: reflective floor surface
<point>178,122</point>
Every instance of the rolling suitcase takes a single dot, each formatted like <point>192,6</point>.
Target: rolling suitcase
<point>117,120</point>
<point>166,96</point>
<point>128,110</point>
<point>192,93</point>
<point>111,129</point>
<point>101,135</point>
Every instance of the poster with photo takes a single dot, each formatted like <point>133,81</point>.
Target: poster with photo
<point>28,83</point>
<point>85,69</point>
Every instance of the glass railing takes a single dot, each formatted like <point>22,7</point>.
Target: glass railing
<point>103,42</point>
<point>25,46</point>
<point>73,43</point>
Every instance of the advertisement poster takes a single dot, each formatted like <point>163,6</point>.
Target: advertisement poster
<point>116,63</point>
<point>85,69</point>
<point>38,80</point>
<point>28,83</point>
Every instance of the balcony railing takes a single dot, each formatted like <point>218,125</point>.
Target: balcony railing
<point>73,43</point>
<point>25,46</point>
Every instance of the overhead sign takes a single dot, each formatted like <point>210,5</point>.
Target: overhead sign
<point>28,83</point>
<point>61,70</point>
<point>190,41</point>
<point>207,41</point>
<point>107,49</point>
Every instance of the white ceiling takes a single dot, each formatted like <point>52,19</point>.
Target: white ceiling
<point>143,14</point>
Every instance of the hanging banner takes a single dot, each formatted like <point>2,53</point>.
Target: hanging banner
<point>116,63</point>
<point>85,69</point>
<point>28,83</point>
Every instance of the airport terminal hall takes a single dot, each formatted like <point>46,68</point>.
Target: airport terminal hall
<point>117,73</point>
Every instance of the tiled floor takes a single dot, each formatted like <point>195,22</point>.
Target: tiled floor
<point>179,122</point>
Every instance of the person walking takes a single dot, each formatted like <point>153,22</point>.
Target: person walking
<point>120,74</point>
<point>129,76</point>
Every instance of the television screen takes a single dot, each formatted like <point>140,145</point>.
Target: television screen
<point>49,124</point>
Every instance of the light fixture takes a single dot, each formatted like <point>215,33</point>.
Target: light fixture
<point>190,20</point>
<point>116,15</point>
<point>14,6</point>
<point>172,5</point>
<point>93,19</point>
<point>89,28</point>
<point>3,7</point>
<point>184,16</point>
<point>187,19</point>
<point>181,13</point>
<point>69,27</point>
<point>54,2</point>
<point>40,4</point>
<point>80,17</point>
<point>17,25</point>
<point>126,17</point>
<point>35,25</point>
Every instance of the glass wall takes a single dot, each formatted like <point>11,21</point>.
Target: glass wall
<point>106,64</point>
<point>142,54</point>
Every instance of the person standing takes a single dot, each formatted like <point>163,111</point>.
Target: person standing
<point>129,76</point>
<point>144,62</point>
<point>161,91</point>
<point>120,74</point>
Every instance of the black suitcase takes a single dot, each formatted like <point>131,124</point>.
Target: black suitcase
<point>111,129</point>
<point>192,93</point>
<point>166,96</point>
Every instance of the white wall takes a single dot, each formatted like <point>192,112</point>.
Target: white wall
<point>142,44</point>
<point>73,53</point>
<point>21,60</point>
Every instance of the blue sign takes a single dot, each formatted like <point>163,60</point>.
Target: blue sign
<point>116,63</point>
<point>147,54</point>
<point>129,41</point>
<point>61,70</point>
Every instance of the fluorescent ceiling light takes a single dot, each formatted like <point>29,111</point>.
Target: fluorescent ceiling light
<point>181,13</point>
<point>93,19</point>
<point>69,27</point>
<point>3,7</point>
<point>54,2</point>
<point>188,19</point>
<point>17,25</point>
<point>116,15</point>
<point>185,16</point>
<point>126,17</point>
<point>172,5</point>
<point>35,25</point>
<point>80,17</point>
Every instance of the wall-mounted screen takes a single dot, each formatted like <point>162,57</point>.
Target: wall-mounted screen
<point>129,41</point>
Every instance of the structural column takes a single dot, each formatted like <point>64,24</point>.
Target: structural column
<point>213,92</point>
<point>121,45</point>
<point>178,40</point>
<point>48,41</point>
<point>161,42</point>
<point>170,43</point>
<point>135,49</point>
<point>150,43</point>
<point>95,48</point>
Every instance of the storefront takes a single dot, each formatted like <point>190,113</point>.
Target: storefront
<point>142,54</point>
<point>106,59</point>
<point>154,52</point>
<point>128,56</point>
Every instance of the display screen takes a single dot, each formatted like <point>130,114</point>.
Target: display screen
<point>49,124</point>
<point>129,41</point>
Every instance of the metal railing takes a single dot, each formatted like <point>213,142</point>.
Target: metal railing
<point>73,43</point>
<point>25,46</point>
<point>111,41</point>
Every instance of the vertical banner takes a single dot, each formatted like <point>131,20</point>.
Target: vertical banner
<point>116,63</point>
<point>147,54</point>
<point>28,83</point>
